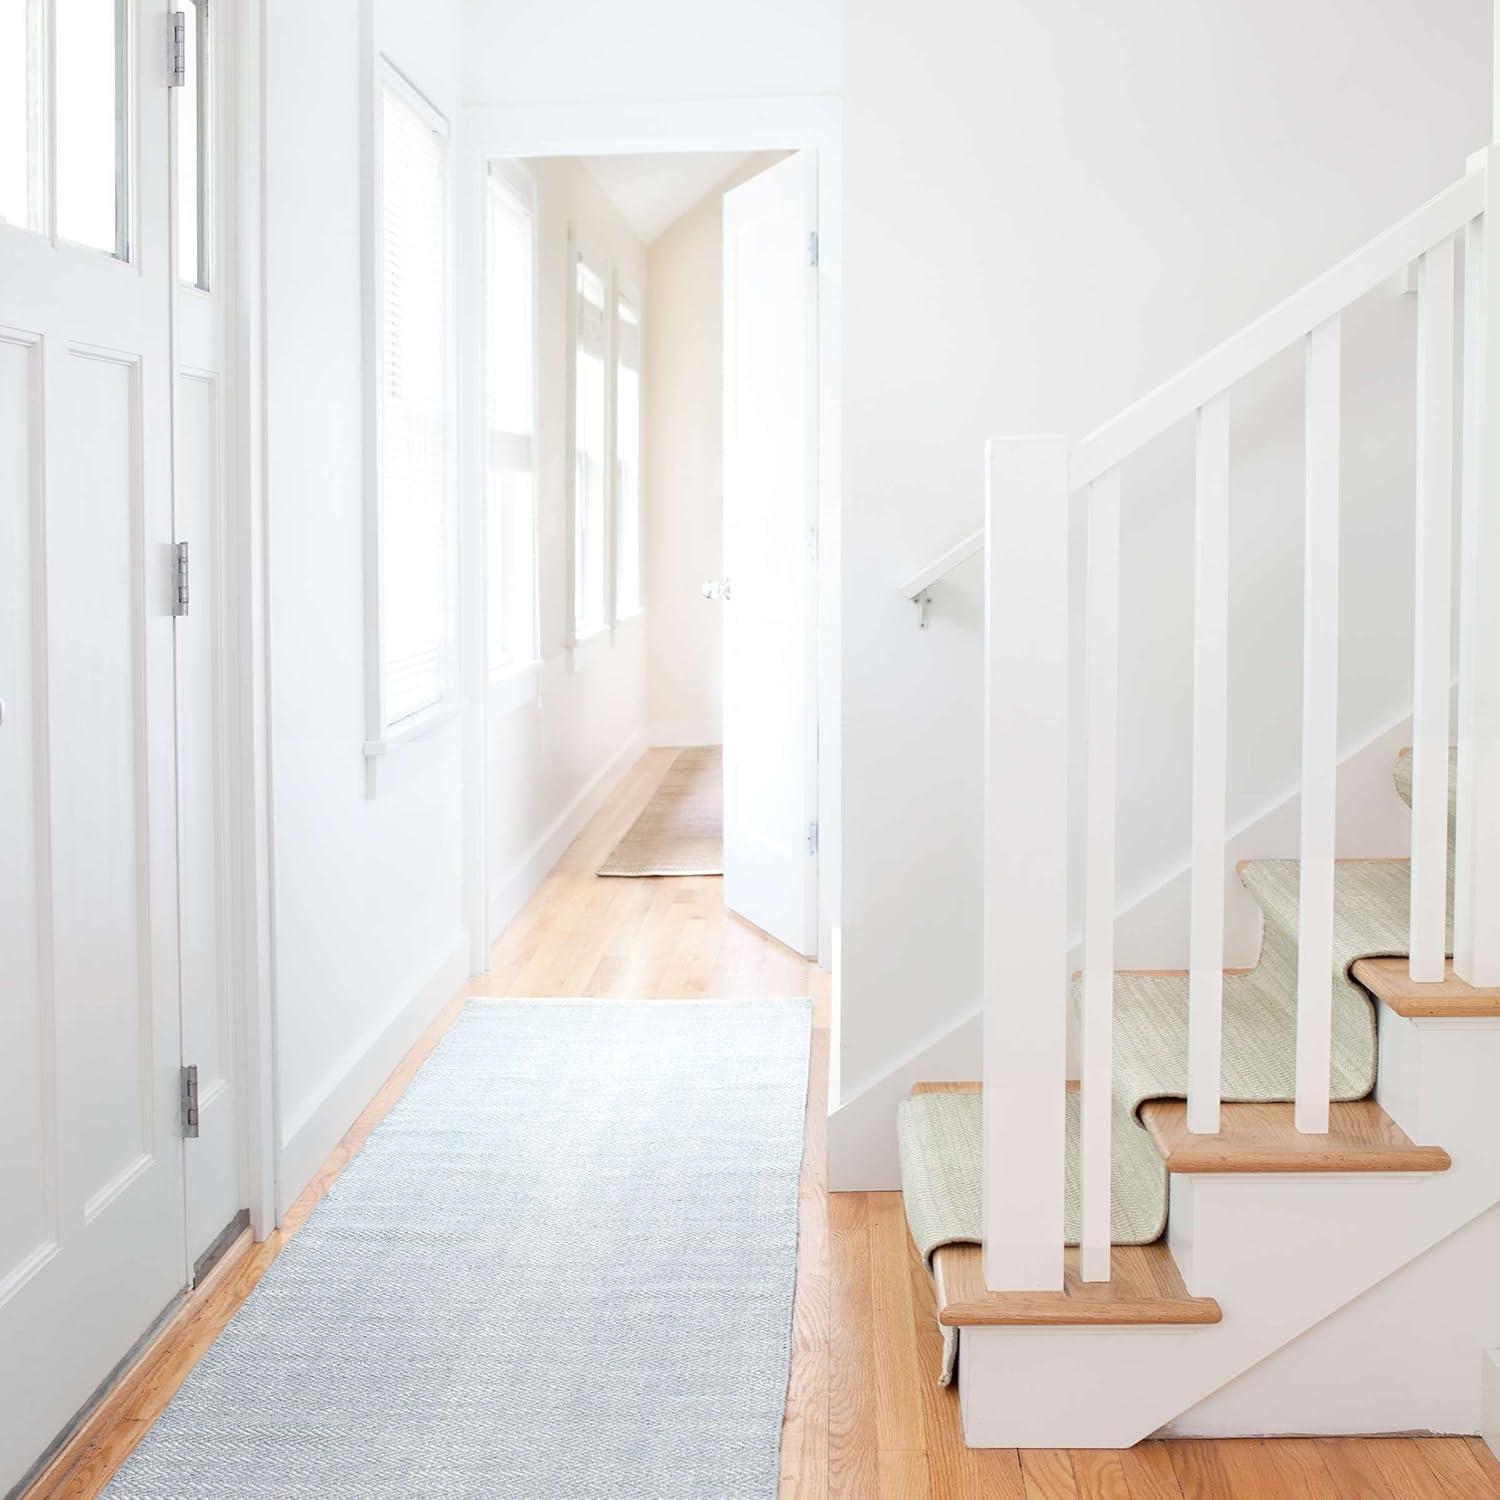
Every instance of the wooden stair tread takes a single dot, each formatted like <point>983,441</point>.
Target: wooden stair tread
<point>1387,979</point>
<point>1146,1287</point>
<point>1263,1138</point>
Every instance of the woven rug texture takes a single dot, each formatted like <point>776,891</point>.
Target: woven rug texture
<point>562,1266</point>
<point>681,830</point>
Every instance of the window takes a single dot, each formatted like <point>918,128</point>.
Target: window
<point>627,456</point>
<point>510,419</point>
<point>193,149</point>
<point>84,75</point>
<point>414,511</point>
<point>590,426</point>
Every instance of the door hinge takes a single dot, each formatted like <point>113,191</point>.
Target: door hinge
<point>812,247</point>
<point>812,544</point>
<point>190,1102</point>
<point>180,597</point>
<point>812,837</point>
<point>178,75</point>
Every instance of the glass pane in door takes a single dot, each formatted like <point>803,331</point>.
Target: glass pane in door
<point>20,113</point>
<point>192,140</point>
<point>91,124</point>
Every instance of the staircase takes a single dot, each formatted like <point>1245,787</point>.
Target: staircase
<point>1269,1203</point>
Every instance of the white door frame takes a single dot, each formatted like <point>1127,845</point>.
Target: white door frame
<point>808,123</point>
<point>240,266</point>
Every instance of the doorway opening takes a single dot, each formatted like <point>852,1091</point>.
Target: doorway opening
<point>653,380</point>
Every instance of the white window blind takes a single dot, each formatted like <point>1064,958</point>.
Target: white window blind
<point>509,405</point>
<point>590,428</point>
<point>627,456</point>
<point>413,468</point>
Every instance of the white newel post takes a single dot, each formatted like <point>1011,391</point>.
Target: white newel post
<point>1476,904</point>
<point>1025,860</point>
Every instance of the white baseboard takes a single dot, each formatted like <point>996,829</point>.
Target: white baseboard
<point>514,890</point>
<point>1151,931</point>
<point>862,1131</point>
<point>310,1140</point>
<point>676,732</point>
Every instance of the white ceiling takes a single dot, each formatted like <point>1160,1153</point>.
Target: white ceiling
<point>653,192</point>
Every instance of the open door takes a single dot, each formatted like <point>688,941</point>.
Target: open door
<point>770,550</point>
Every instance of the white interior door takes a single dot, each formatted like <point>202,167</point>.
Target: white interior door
<point>770,521</point>
<point>91,1186</point>
<point>215,1197</point>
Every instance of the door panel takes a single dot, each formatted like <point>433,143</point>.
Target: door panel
<point>770,516</point>
<point>92,1230</point>
<point>28,1169</point>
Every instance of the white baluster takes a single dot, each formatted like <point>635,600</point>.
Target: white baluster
<point>1025,861</point>
<point>1476,853</point>
<point>1101,648</point>
<point>1432,647</point>
<point>1320,678</point>
<point>1210,713</point>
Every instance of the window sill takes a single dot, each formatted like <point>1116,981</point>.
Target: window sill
<point>634,615</point>
<point>513,686</point>
<point>419,726</point>
<point>587,649</point>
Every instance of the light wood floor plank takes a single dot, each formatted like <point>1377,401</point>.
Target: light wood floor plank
<point>1457,1469</point>
<point>1048,1473</point>
<point>1148,1471</point>
<point>1353,1469</point>
<point>1300,1471</point>
<point>1098,1474</point>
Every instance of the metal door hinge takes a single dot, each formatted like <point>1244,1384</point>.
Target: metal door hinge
<point>812,837</point>
<point>812,544</point>
<point>812,247</point>
<point>180,579</point>
<point>190,1102</point>
<point>178,76</point>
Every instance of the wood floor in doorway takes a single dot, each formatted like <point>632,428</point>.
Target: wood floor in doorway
<point>864,1418</point>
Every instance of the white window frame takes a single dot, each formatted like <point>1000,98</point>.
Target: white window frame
<point>623,291</point>
<point>582,642</point>
<point>510,451</point>
<point>382,734</point>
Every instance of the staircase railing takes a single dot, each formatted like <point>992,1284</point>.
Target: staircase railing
<point>1025,545</point>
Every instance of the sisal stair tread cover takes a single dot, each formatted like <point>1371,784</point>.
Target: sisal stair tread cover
<point>1387,979</point>
<point>1145,1287</point>
<point>1263,1138</point>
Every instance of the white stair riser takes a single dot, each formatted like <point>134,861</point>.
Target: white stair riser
<point>1372,1366</point>
<point>1280,1252</point>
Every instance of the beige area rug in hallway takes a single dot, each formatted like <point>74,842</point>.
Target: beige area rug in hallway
<point>681,832</point>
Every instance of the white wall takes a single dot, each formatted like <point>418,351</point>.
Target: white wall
<point>1048,209</point>
<point>553,758</point>
<point>368,922</point>
<point>684,466</point>
<point>544,51</point>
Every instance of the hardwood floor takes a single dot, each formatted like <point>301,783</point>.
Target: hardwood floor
<point>864,1416</point>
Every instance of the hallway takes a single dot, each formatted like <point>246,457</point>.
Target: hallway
<point>864,1416</point>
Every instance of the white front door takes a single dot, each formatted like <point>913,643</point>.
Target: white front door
<point>770,521</point>
<point>91,1178</point>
